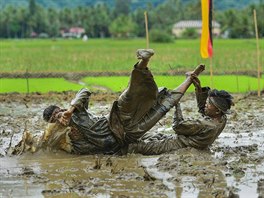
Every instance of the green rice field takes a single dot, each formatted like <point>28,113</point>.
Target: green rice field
<point>104,55</point>
<point>109,55</point>
<point>231,83</point>
<point>41,85</point>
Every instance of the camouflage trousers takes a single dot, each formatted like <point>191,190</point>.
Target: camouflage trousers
<point>142,105</point>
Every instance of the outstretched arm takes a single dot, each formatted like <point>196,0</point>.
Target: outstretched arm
<point>80,102</point>
<point>177,93</point>
<point>81,99</point>
<point>182,88</point>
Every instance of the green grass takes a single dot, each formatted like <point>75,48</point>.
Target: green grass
<point>106,55</point>
<point>231,83</point>
<point>41,85</point>
<point>119,55</point>
<point>234,84</point>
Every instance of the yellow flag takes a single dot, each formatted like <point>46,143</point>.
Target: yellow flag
<point>206,46</point>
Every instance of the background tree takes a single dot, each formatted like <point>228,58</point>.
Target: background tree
<point>102,21</point>
<point>193,11</point>
<point>66,18</point>
<point>122,7</point>
<point>139,18</point>
<point>123,27</point>
<point>22,20</point>
<point>32,7</point>
<point>160,36</point>
<point>99,20</point>
<point>165,15</point>
<point>54,24</point>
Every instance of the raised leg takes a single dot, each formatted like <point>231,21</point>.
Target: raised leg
<point>141,92</point>
<point>144,55</point>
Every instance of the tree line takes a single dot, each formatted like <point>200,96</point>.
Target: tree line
<point>120,21</point>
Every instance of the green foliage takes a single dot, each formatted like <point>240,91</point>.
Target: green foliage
<point>166,14</point>
<point>18,19</point>
<point>241,24</point>
<point>122,7</point>
<point>160,36</point>
<point>135,4</point>
<point>123,27</point>
<point>190,33</point>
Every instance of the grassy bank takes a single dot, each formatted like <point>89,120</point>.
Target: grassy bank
<point>234,84</point>
<point>41,85</point>
<point>119,55</point>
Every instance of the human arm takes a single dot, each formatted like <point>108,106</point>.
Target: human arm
<point>201,94</point>
<point>81,99</point>
<point>80,102</point>
<point>177,117</point>
<point>177,93</point>
<point>184,127</point>
<point>65,116</point>
<point>182,88</point>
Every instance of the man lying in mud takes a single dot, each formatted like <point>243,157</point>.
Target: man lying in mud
<point>136,111</point>
<point>196,133</point>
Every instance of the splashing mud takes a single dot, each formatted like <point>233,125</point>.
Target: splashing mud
<point>232,167</point>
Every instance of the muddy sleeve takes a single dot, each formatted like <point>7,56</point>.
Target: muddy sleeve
<point>177,117</point>
<point>188,127</point>
<point>81,99</point>
<point>201,98</point>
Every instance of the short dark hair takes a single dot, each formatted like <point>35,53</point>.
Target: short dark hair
<point>47,113</point>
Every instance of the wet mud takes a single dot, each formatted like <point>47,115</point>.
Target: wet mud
<point>232,167</point>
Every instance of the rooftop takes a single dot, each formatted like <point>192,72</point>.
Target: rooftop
<point>193,24</point>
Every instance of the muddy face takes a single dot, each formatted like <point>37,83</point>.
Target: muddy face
<point>233,166</point>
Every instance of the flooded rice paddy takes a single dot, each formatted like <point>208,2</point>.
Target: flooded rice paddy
<point>232,167</point>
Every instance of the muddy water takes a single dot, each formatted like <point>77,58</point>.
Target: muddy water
<point>232,167</point>
<point>48,175</point>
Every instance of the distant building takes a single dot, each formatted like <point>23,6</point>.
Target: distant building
<point>33,35</point>
<point>73,32</point>
<point>181,26</point>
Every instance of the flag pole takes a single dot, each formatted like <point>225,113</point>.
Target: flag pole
<point>258,53</point>
<point>211,73</point>
<point>146,26</point>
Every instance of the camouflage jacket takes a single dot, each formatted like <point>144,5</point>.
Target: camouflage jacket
<point>90,134</point>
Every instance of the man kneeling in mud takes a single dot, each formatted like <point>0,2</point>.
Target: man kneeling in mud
<point>136,111</point>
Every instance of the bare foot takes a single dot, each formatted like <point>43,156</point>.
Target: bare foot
<point>144,54</point>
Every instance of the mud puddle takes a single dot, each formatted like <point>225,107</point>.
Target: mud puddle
<point>50,174</point>
<point>232,167</point>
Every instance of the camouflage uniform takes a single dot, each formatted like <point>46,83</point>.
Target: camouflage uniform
<point>137,110</point>
<point>197,133</point>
